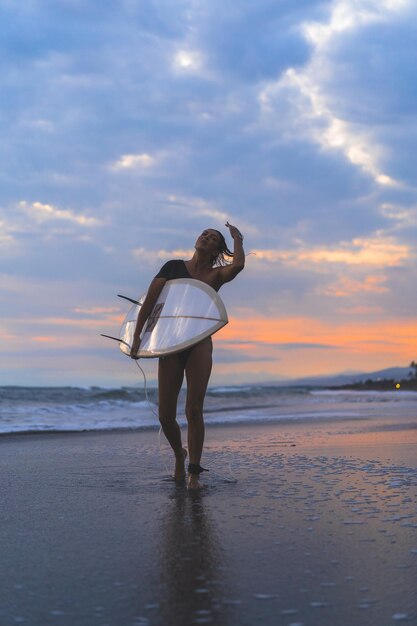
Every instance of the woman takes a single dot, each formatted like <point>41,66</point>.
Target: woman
<point>208,265</point>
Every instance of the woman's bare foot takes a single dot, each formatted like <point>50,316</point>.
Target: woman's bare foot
<point>179,473</point>
<point>194,482</point>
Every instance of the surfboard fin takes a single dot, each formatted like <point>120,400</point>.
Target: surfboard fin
<point>126,298</point>
<point>115,339</point>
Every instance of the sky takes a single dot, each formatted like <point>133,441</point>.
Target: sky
<point>128,127</point>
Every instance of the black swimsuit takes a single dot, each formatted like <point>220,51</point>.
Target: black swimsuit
<point>174,269</point>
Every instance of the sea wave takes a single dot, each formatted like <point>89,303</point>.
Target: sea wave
<point>352,395</point>
<point>51,409</point>
<point>72,395</point>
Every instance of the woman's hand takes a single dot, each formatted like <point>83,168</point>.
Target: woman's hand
<point>134,350</point>
<point>234,232</point>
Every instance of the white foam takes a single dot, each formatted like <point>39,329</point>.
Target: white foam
<point>75,409</point>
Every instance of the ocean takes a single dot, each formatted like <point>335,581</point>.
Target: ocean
<point>77,409</point>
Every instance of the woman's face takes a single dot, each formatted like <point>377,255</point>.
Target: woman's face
<point>209,241</point>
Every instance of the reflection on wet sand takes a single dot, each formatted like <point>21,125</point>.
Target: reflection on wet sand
<point>192,583</point>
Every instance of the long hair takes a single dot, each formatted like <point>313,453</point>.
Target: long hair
<point>219,260</point>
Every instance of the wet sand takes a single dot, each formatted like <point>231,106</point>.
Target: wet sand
<point>319,529</point>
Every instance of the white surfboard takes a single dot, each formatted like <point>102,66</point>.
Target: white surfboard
<point>186,312</point>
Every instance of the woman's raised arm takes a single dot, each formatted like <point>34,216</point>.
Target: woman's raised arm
<point>229,272</point>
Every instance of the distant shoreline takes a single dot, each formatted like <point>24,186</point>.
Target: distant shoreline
<point>380,385</point>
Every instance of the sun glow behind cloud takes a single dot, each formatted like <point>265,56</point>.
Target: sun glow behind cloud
<point>188,61</point>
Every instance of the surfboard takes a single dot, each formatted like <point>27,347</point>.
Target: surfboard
<point>186,312</point>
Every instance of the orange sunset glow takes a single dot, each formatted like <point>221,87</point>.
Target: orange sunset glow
<point>374,335</point>
<point>304,346</point>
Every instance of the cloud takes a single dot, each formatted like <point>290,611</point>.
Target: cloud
<point>151,256</point>
<point>347,16</point>
<point>346,286</point>
<point>402,216</point>
<point>194,207</point>
<point>44,339</point>
<point>361,310</point>
<point>134,161</point>
<point>316,119</point>
<point>222,355</point>
<point>47,212</point>
<point>6,336</point>
<point>6,237</point>
<point>96,310</point>
<point>295,345</point>
<point>380,251</point>
<point>309,89</point>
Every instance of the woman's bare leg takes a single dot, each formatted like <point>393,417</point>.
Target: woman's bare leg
<point>170,377</point>
<point>197,371</point>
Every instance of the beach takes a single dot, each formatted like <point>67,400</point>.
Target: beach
<point>299,523</point>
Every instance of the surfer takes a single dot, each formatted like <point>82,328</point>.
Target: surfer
<point>210,265</point>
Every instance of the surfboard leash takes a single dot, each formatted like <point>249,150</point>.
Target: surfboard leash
<point>145,388</point>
